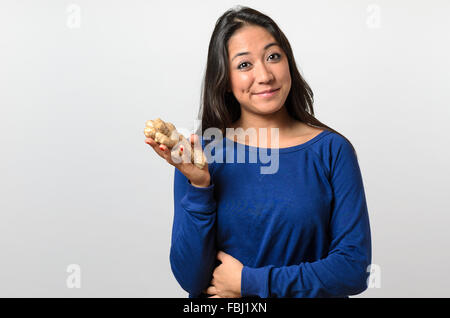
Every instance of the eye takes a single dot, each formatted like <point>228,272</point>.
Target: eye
<point>277,57</point>
<point>239,66</point>
<point>276,54</point>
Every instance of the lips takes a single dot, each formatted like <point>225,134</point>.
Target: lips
<point>267,91</point>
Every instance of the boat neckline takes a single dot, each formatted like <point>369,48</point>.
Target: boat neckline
<point>285,149</point>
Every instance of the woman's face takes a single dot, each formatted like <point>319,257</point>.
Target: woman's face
<point>258,64</point>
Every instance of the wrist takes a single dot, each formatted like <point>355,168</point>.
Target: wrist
<point>205,184</point>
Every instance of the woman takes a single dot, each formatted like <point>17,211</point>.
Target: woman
<point>302,231</point>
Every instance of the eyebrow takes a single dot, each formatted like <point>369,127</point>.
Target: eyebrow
<point>245,53</point>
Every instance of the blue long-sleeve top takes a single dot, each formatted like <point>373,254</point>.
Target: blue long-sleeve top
<point>300,232</point>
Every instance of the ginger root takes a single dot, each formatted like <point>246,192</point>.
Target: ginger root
<point>165,133</point>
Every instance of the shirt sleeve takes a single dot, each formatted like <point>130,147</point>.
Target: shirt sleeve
<point>343,271</point>
<point>193,251</point>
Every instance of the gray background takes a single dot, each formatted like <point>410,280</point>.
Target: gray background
<point>79,185</point>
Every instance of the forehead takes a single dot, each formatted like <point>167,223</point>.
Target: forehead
<point>249,38</point>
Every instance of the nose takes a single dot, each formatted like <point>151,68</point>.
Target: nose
<point>263,74</point>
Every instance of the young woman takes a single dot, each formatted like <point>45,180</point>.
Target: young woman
<point>302,231</point>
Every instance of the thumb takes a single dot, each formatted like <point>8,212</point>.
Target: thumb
<point>221,256</point>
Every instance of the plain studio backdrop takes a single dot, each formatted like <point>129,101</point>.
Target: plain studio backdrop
<point>87,207</point>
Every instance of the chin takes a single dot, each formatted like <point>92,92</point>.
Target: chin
<point>271,107</point>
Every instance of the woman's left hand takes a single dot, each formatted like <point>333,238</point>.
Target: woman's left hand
<point>226,282</point>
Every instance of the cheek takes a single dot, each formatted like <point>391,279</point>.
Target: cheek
<point>241,82</point>
<point>285,74</point>
<point>288,80</point>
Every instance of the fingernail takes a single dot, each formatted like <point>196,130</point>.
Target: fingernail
<point>161,147</point>
<point>181,148</point>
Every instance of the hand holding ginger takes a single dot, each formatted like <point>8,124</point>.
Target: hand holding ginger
<point>185,155</point>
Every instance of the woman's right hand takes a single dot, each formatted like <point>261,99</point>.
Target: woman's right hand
<point>198,177</point>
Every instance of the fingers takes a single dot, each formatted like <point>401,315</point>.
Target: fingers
<point>179,155</point>
<point>193,138</point>
<point>166,154</point>
<point>195,141</point>
<point>150,142</point>
<point>160,149</point>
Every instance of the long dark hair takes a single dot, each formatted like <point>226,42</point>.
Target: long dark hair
<point>219,108</point>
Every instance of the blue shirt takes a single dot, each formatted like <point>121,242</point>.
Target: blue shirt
<point>300,232</point>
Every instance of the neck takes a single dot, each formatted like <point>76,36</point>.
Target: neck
<point>280,119</point>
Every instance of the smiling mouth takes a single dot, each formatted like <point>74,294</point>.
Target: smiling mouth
<point>269,92</point>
